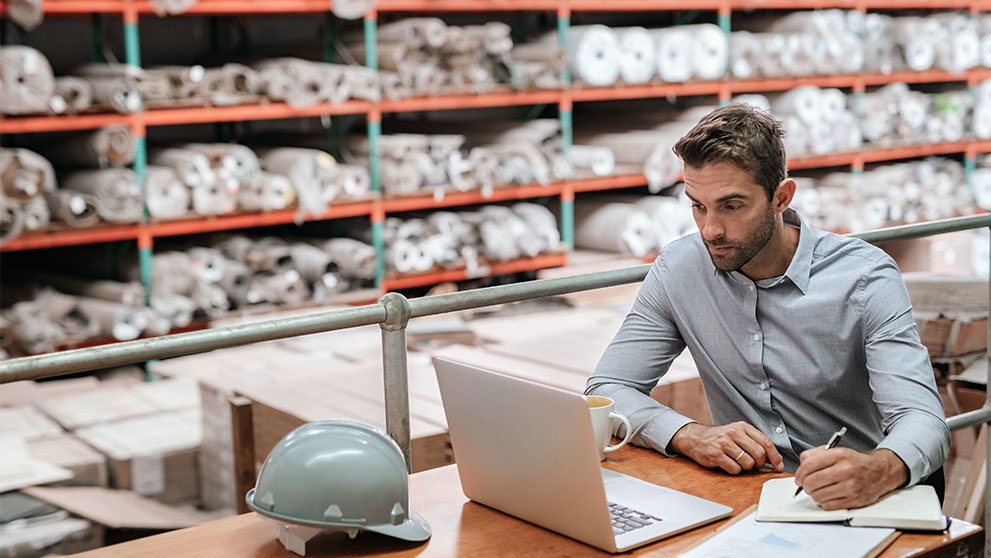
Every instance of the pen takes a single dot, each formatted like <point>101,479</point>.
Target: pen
<point>833,440</point>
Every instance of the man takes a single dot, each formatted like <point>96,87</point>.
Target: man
<point>795,332</point>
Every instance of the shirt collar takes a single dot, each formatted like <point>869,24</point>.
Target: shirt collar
<point>801,261</point>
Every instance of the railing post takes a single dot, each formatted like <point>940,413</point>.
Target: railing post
<point>397,314</point>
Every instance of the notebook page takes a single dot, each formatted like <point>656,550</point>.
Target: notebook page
<point>779,503</point>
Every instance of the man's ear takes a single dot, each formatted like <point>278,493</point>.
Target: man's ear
<point>783,194</point>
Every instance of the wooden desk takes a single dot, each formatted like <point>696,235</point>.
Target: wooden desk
<point>464,528</point>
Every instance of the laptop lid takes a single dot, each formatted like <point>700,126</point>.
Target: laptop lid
<point>526,449</point>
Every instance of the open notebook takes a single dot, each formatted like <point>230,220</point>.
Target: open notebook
<point>916,508</point>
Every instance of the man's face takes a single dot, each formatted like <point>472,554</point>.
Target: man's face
<point>733,214</point>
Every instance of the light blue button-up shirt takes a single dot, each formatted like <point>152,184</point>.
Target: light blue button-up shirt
<point>830,343</point>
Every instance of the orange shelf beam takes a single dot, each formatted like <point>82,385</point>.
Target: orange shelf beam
<point>608,183</point>
<point>445,102</point>
<point>203,7</point>
<point>528,264</point>
<point>55,238</point>
<point>26,124</point>
<point>888,154</point>
<point>451,199</point>
<point>248,112</point>
<point>463,6</point>
<point>251,220</point>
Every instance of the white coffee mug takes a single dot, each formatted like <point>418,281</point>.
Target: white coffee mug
<point>601,410</point>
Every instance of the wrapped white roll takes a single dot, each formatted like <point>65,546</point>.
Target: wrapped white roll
<point>917,36</point>
<point>776,56</point>
<point>76,93</point>
<point>419,32</point>
<point>804,101</point>
<point>36,213</point>
<point>675,54</point>
<point>710,50</point>
<point>638,55</point>
<point>613,227</point>
<point>77,209</point>
<point>600,160</point>
<point>804,58</point>
<point>355,258</point>
<point>117,191</point>
<point>26,80</point>
<point>11,219</point>
<point>961,49</point>
<point>193,168</point>
<point>745,54</point>
<point>165,194</point>
<point>311,173</point>
<point>832,105</point>
<point>24,174</point>
<point>110,146</point>
<point>265,191</point>
<point>594,54</point>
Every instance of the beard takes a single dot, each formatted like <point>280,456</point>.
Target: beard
<point>741,252</point>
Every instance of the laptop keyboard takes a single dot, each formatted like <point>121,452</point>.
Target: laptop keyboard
<point>626,519</point>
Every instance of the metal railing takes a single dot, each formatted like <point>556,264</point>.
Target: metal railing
<point>393,311</point>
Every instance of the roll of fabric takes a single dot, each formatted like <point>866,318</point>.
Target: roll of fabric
<point>353,257</point>
<point>269,254</point>
<point>76,209</point>
<point>26,80</point>
<point>593,53</point>
<point>192,167</point>
<point>211,299</point>
<point>24,174</point>
<point>710,50</point>
<point>110,146</point>
<point>227,84</point>
<point>120,321</point>
<point>670,216</point>
<point>675,54</point>
<point>314,265</point>
<point>745,54</point>
<point>117,192</point>
<point>208,263</point>
<point>26,13</point>
<point>170,7</point>
<point>11,219</point>
<point>419,32</point>
<point>150,85</point>
<point>36,213</point>
<point>212,199</point>
<point>961,49</point>
<point>804,58</point>
<point>543,232</point>
<point>804,101</point>
<point>351,9</point>
<point>236,282</point>
<point>75,92</point>
<point>265,191</point>
<point>165,194</point>
<point>177,310</point>
<point>363,83</point>
<point>613,227</point>
<point>185,80</point>
<point>353,180</point>
<point>128,293</point>
<point>600,160</point>
<point>638,55</point>
<point>297,82</point>
<point>284,287</point>
<point>120,93</point>
<point>916,38</point>
<point>311,172</point>
<point>776,56</point>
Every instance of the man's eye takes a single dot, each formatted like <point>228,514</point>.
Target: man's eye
<point>732,207</point>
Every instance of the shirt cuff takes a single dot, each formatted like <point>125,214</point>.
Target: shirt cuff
<point>659,431</point>
<point>911,456</point>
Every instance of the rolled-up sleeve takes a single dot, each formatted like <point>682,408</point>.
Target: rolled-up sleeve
<point>636,359</point>
<point>901,376</point>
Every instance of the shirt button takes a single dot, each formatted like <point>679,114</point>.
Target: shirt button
<point>779,430</point>
<point>763,386</point>
<point>756,337</point>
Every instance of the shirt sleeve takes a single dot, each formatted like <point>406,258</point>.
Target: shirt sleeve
<point>900,374</point>
<point>636,359</point>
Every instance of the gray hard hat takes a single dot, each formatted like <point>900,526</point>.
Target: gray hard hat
<point>338,474</point>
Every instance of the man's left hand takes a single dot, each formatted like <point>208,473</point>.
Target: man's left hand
<point>843,478</point>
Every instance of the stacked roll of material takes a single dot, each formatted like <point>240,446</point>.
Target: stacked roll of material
<point>639,145</point>
<point>468,239</point>
<point>639,225</point>
<point>28,14</point>
<point>354,259</point>
<point>980,182</point>
<point>73,95</point>
<point>933,188</point>
<point>209,191</point>
<point>425,56</point>
<point>536,65</point>
<point>313,174</point>
<point>800,43</point>
<point>981,116</point>
<point>25,179</point>
<point>26,81</point>
<point>110,146</point>
<point>817,121</point>
<point>117,193</point>
<point>76,209</point>
<point>266,191</point>
<point>637,55</point>
<point>166,196</point>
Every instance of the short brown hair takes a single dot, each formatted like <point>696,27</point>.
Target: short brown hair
<point>740,134</point>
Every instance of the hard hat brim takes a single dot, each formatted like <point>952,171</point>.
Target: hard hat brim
<point>415,528</point>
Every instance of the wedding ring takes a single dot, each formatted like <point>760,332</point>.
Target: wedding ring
<point>737,458</point>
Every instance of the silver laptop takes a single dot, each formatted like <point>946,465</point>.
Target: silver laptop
<point>526,449</point>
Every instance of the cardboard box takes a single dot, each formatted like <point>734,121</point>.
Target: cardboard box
<point>27,423</point>
<point>951,312</point>
<point>154,455</point>
<point>950,335</point>
<point>93,407</point>
<point>56,538</point>
<point>88,466</point>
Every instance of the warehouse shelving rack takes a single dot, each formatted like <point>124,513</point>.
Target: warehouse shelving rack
<point>378,207</point>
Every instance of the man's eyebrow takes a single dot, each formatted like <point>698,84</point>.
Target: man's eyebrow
<point>726,198</point>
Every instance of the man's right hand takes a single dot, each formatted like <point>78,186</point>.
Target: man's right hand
<point>733,447</point>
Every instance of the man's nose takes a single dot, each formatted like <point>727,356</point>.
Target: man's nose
<point>711,228</point>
